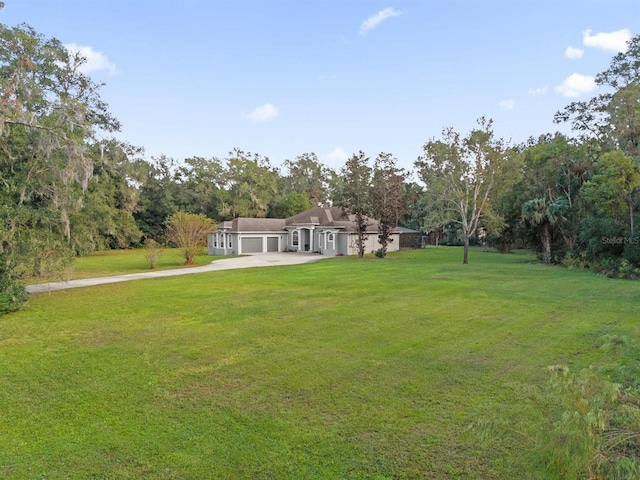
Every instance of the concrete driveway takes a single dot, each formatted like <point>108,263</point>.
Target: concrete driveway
<point>247,261</point>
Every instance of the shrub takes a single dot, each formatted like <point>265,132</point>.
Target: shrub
<point>154,252</point>
<point>12,294</point>
<point>574,260</point>
<point>189,232</point>
<point>589,421</point>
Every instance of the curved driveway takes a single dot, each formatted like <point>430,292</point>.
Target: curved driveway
<point>247,261</point>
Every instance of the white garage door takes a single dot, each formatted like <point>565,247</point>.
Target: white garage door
<point>252,245</point>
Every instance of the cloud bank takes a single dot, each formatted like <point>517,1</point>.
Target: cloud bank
<point>95,61</point>
<point>374,20</point>
<point>538,91</point>
<point>575,85</point>
<point>337,156</point>
<point>574,53</point>
<point>263,113</point>
<point>507,104</point>
<point>610,42</point>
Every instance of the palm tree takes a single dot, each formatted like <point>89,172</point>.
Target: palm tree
<point>545,214</point>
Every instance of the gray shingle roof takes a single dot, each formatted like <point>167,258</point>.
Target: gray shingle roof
<point>335,217</point>
<point>244,224</point>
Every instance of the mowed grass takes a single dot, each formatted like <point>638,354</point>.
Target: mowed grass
<point>120,262</point>
<point>340,369</point>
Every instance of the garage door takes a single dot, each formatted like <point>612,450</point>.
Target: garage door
<point>252,245</point>
<point>272,244</point>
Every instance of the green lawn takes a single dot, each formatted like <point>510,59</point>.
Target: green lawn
<point>121,262</point>
<point>344,368</point>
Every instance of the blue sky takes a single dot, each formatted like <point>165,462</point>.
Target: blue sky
<point>283,77</point>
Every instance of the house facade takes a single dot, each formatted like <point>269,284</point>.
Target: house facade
<point>324,230</point>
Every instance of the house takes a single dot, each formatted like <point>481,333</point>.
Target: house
<point>324,230</point>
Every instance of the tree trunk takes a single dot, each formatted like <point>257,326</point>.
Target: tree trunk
<point>545,237</point>
<point>465,258</point>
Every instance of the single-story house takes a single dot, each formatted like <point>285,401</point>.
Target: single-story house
<point>324,230</point>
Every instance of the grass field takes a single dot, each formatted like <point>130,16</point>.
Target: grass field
<point>121,262</point>
<point>343,368</point>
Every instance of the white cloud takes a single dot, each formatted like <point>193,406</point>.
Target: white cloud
<point>95,60</point>
<point>263,113</point>
<point>575,85</point>
<point>374,20</point>
<point>573,53</point>
<point>611,42</point>
<point>538,91</point>
<point>337,156</point>
<point>507,104</point>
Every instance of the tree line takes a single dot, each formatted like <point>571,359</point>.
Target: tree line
<point>69,188</point>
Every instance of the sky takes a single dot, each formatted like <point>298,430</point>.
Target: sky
<point>280,78</point>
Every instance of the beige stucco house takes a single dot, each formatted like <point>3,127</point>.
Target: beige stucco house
<point>324,230</point>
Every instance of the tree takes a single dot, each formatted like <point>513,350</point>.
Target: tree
<point>157,197</point>
<point>251,185</point>
<point>435,217</point>
<point>12,294</point>
<point>611,120</point>
<point>50,115</point>
<point>290,205</point>
<point>544,214</point>
<point>189,232</point>
<point>461,173</point>
<point>198,185</point>
<point>104,217</point>
<point>611,190</point>
<point>309,177</point>
<point>548,195</point>
<point>387,199</point>
<point>355,195</point>
<point>608,233</point>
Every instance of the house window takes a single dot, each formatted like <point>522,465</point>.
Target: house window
<point>331,237</point>
<point>229,242</point>
<point>215,243</point>
<point>330,245</point>
<point>295,237</point>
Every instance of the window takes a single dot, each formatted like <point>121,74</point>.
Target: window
<point>295,237</point>
<point>331,237</point>
<point>229,242</point>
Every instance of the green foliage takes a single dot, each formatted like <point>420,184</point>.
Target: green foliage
<point>355,195</point>
<point>574,260</point>
<point>189,231</point>
<point>198,185</point>
<point>66,189</point>
<point>290,205</point>
<point>157,202</point>
<point>461,175</point>
<point>610,192</point>
<point>309,177</point>
<point>589,422</point>
<point>12,294</point>
<point>251,186</point>
<point>387,199</point>
<point>601,237</point>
